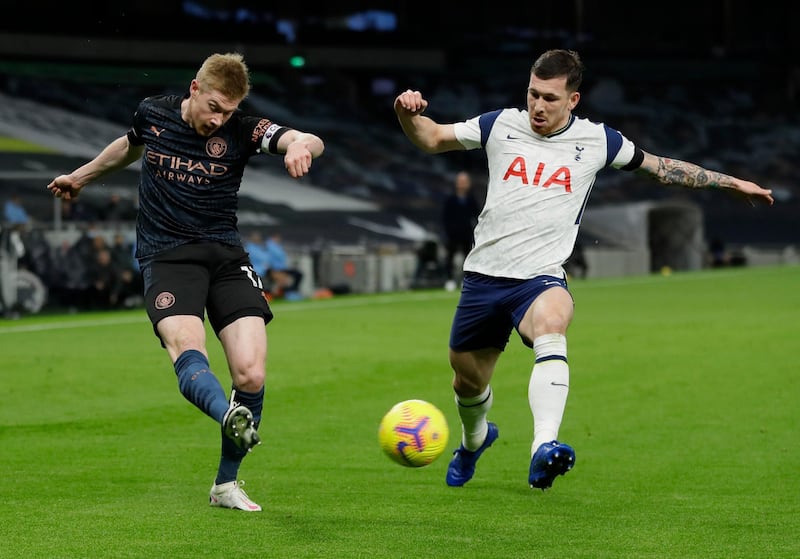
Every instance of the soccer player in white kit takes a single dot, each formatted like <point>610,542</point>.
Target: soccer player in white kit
<point>542,164</point>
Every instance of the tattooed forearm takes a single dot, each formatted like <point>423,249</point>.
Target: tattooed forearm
<point>683,173</point>
<point>674,171</point>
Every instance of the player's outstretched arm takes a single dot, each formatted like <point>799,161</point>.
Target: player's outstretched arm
<point>675,171</point>
<point>118,154</point>
<point>424,132</point>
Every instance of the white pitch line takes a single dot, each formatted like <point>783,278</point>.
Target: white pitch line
<point>391,298</point>
<point>313,305</point>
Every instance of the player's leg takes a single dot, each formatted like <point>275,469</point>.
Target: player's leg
<point>238,312</point>
<point>245,344</point>
<point>184,338</point>
<point>472,373</point>
<point>175,293</point>
<point>473,396</point>
<point>545,323</point>
<point>477,337</point>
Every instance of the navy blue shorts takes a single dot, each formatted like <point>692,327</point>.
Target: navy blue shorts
<point>491,307</point>
<point>203,279</point>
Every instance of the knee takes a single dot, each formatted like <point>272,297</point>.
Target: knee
<point>249,378</point>
<point>253,383</point>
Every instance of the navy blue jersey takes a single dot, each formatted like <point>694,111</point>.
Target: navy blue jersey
<point>188,190</point>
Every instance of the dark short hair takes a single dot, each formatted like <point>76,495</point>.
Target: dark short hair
<point>556,63</point>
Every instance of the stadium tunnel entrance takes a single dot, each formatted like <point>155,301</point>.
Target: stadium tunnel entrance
<point>643,237</point>
<point>676,237</point>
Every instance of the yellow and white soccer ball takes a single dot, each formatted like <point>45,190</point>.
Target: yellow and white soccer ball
<point>413,433</point>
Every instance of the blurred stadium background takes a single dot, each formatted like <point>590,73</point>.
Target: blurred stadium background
<point>716,82</point>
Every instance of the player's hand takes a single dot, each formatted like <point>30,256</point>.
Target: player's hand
<point>410,103</point>
<point>297,159</point>
<point>64,186</point>
<point>752,190</point>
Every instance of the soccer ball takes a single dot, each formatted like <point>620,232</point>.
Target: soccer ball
<point>413,433</point>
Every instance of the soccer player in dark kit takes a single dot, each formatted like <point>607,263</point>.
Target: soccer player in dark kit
<point>194,149</point>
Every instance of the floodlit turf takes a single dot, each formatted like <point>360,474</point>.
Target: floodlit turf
<point>15,145</point>
<point>683,411</point>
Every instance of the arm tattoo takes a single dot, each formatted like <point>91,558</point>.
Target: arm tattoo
<point>674,171</point>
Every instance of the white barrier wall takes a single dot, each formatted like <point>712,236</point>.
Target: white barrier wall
<point>608,262</point>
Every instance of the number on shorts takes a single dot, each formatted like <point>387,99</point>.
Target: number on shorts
<point>254,278</point>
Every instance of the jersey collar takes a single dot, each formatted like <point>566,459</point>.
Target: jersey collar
<point>563,128</point>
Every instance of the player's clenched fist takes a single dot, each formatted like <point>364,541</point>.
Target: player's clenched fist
<point>297,161</point>
<point>64,186</point>
<point>410,102</point>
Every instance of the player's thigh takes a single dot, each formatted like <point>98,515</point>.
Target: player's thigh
<point>176,289</point>
<point>479,321</point>
<point>245,344</point>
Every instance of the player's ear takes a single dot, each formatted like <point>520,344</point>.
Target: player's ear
<point>574,97</point>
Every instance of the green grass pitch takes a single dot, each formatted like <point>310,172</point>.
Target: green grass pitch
<point>683,411</point>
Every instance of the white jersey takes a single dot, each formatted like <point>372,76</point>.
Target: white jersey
<point>538,189</point>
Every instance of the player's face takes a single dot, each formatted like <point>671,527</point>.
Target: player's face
<point>208,109</point>
<point>550,104</point>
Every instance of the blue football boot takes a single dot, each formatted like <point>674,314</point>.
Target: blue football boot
<point>462,466</point>
<point>550,460</point>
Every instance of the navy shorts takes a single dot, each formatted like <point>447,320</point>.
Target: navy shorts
<point>491,307</point>
<point>203,278</point>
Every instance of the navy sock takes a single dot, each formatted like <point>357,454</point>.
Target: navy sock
<point>199,385</point>
<point>232,456</point>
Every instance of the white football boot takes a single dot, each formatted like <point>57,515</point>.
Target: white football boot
<point>231,496</point>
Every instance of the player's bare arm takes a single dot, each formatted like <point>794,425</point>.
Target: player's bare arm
<point>675,171</point>
<point>300,148</point>
<point>424,132</point>
<point>118,154</point>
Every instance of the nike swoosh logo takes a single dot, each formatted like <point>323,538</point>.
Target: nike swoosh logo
<point>510,137</point>
<point>559,384</point>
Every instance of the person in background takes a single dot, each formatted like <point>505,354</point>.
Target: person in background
<point>116,210</point>
<point>542,162</point>
<point>129,276</point>
<point>14,212</point>
<point>257,250</point>
<point>105,283</point>
<point>194,148</point>
<point>284,277</point>
<point>77,212</point>
<point>460,213</point>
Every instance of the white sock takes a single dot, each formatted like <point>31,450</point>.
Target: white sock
<point>473,412</point>
<point>548,387</point>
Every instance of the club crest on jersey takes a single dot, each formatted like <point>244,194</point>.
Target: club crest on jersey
<point>579,149</point>
<point>216,147</point>
<point>164,300</point>
<point>561,176</point>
